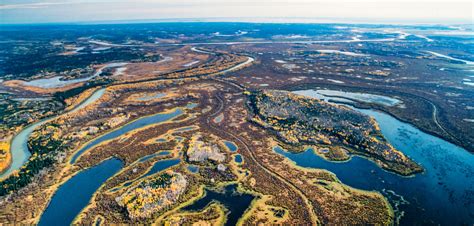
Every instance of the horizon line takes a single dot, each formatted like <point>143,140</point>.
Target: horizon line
<point>281,20</point>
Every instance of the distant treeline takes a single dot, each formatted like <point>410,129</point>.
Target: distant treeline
<point>47,60</point>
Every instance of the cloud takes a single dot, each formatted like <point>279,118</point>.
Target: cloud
<point>403,11</point>
<point>30,5</point>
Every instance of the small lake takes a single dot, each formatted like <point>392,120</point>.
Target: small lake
<point>161,140</point>
<point>185,129</point>
<point>237,203</point>
<point>231,146</point>
<point>443,194</point>
<point>152,97</point>
<point>58,81</point>
<point>191,63</point>
<point>75,194</point>
<point>19,144</point>
<point>158,166</point>
<point>139,123</point>
<point>161,165</point>
<point>330,51</point>
<point>145,158</point>
<point>191,105</point>
<point>348,97</point>
<point>219,118</point>
<point>193,168</point>
<point>238,158</point>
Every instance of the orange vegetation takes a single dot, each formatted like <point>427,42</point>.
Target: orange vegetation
<point>5,155</point>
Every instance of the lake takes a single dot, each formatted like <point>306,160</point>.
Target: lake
<point>231,146</point>
<point>237,203</point>
<point>75,194</point>
<point>348,97</point>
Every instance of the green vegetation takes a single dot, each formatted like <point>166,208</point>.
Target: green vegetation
<point>17,112</point>
<point>61,96</point>
<point>305,121</point>
<point>47,60</point>
<point>162,181</point>
<point>44,148</point>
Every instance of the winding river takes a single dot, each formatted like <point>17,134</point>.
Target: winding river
<point>236,67</point>
<point>19,147</point>
<point>19,144</point>
<point>451,58</point>
<point>443,194</point>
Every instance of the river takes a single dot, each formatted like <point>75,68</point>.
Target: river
<point>19,144</point>
<point>236,67</point>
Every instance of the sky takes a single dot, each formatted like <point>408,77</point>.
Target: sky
<point>357,11</point>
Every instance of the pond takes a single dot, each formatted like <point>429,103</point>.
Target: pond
<point>75,194</point>
<point>152,97</point>
<point>193,168</point>
<point>191,105</point>
<point>231,146</point>
<point>237,203</point>
<point>158,166</point>
<point>330,51</point>
<point>161,165</point>
<point>238,158</point>
<point>145,158</point>
<point>161,140</point>
<point>185,129</point>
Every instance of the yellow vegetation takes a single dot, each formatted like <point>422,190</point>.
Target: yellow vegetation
<point>5,155</point>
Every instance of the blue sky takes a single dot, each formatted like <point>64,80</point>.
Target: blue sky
<point>383,11</point>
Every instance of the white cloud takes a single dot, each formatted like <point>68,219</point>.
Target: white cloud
<point>30,5</point>
<point>444,11</point>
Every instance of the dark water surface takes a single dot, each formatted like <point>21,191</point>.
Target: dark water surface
<point>75,194</point>
<point>231,146</point>
<point>238,158</point>
<point>161,165</point>
<point>443,194</point>
<point>235,202</point>
<point>158,166</point>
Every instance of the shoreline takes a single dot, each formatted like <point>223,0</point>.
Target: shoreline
<point>361,191</point>
<point>375,107</point>
<point>44,120</point>
<point>168,111</point>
